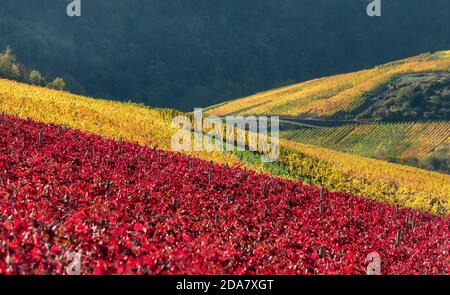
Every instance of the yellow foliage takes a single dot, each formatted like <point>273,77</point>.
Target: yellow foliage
<point>378,180</point>
<point>126,121</point>
<point>330,95</point>
<point>375,179</point>
<point>403,140</point>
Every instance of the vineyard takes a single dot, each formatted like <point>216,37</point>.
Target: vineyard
<point>120,121</point>
<point>378,180</point>
<point>329,96</point>
<point>132,209</point>
<point>398,140</point>
<point>375,179</point>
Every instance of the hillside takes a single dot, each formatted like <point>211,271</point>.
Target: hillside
<point>396,142</point>
<point>419,96</point>
<point>134,210</point>
<point>333,96</point>
<point>241,140</point>
<point>374,179</point>
<point>178,55</point>
<point>120,121</point>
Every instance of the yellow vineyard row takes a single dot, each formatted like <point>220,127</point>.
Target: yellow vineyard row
<point>378,180</point>
<point>120,121</point>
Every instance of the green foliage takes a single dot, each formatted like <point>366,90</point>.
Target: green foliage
<point>275,168</point>
<point>283,167</point>
<point>57,84</point>
<point>36,78</point>
<point>9,68</point>
<point>439,160</point>
<point>412,97</point>
<point>180,54</point>
<point>395,142</point>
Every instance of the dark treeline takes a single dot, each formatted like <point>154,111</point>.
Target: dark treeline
<point>12,69</point>
<point>186,53</point>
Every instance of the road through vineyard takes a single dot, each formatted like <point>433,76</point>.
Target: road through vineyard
<point>132,209</point>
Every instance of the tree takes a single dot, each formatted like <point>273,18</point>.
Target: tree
<point>9,68</point>
<point>439,160</point>
<point>36,78</point>
<point>57,84</point>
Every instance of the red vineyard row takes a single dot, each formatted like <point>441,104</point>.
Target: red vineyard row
<point>131,209</point>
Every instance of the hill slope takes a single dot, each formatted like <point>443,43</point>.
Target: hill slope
<point>331,96</point>
<point>375,179</point>
<point>398,142</point>
<point>177,54</point>
<point>120,121</point>
<point>408,97</point>
<point>130,209</point>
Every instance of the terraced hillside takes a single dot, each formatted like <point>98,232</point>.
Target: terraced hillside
<point>406,186</point>
<point>389,141</point>
<point>330,96</point>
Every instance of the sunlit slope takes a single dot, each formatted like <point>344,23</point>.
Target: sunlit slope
<point>395,140</point>
<point>328,96</point>
<point>120,121</point>
<point>376,179</point>
<point>121,204</point>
